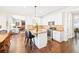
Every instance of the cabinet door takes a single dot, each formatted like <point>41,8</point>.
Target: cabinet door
<point>56,36</point>
<point>41,40</point>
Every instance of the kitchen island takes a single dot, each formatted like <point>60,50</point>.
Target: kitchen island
<point>41,39</point>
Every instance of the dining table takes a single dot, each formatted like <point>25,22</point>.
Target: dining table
<point>3,37</point>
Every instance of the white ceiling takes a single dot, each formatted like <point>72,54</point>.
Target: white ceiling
<point>30,10</point>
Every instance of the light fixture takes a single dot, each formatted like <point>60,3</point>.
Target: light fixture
<point>35,10</point>
<point>36,25</point>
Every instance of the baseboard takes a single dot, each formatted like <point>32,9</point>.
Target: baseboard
<point>57,41</point>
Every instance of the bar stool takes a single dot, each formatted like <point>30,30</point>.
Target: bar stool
<point>30,41</point>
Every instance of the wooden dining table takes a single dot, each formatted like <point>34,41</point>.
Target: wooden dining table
<point>5,41</point>
<point>3,37</point>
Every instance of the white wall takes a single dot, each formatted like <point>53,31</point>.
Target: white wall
<point>3,21</point>
<point>57,18</point>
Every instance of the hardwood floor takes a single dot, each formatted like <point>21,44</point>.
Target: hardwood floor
<point>52,47</point>
<point>55,47</point>
<point>76,43</point>
<point>70,46</point>
<point>17,43</point>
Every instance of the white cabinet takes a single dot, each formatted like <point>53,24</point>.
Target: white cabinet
<point>58,19</point>
<point>58,36</point>
<point>41,40</point>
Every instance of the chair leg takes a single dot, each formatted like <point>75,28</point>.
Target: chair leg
<point>52,39</point>
<point>27,42</point>
<point>31,44</point>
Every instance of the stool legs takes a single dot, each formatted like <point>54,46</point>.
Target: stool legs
<point>30,44</point>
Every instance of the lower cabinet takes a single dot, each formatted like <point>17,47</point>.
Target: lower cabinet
<point>58,36</point>
<point>41,40</point>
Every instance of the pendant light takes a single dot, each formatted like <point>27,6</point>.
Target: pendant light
<point>36,25</point>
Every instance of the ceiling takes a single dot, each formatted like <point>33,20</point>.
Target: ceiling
<point>30,10</point>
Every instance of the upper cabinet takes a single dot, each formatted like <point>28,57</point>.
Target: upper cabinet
<point>58,19</point>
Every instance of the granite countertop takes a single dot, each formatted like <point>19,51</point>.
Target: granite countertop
<point>39,31</point>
